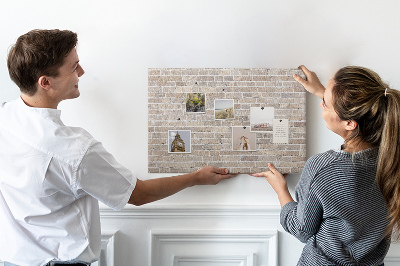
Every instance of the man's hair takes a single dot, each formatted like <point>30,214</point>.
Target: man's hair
<point>38,53</point>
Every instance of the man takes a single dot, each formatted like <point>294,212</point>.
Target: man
<point>51,175</point>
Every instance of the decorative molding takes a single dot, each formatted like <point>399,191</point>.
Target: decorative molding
<point>107,254</point>
<point>244,247</point>
<point>185,211</point>
<point>249,260</point>
<point>392,261</point>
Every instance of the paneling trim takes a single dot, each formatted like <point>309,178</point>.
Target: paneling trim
<point>249,260</point>
<point>182,211</point>
<point>392,260</point>
<point>241,246</point>
<point>107,249</point>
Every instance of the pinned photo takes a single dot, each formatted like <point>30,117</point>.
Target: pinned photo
<point>261,119</point>
<point>196,102</point>
<point>179,141</point>
<point>224,109</point>
<point>243,139</point>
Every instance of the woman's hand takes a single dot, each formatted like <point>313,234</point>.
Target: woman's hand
<point>312,83</point>
<point>277,182</point>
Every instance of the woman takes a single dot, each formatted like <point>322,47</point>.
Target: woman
<point>244,143</point>
<point>348,200</point>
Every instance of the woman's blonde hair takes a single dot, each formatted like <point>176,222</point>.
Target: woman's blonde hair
<point>359,94</point>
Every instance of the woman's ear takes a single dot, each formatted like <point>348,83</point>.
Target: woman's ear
<point>351,125</point>
<point>44,82</point>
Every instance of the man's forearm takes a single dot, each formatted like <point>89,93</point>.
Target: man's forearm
<point>159,188</point>
<point>155,189</point>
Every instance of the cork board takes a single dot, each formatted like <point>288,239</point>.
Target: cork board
<point>237,118</point>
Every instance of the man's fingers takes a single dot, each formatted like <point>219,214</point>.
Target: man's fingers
<point>227,176</point>
<point>216,170</point>
<point>222,171</point>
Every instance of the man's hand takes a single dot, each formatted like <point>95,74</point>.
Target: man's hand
<point>211,175</point>
<point>312,83</point>
<point>278,183</point>
<point>155,189</point>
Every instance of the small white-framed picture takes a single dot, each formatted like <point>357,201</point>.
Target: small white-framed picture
<point>179,141</point>
<point>243,139</point>
<point>224,109</point>
<point>195,102</point>
<point>261,119</point>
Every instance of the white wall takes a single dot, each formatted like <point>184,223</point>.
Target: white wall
<point>119,40</point>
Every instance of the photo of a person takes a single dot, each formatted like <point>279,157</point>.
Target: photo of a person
<point>244,143</point>
<point>243,139</point>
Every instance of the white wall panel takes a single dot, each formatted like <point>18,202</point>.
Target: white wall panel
<point>211,247</point>
<point>107,249</point>
<point>161,235</point>
<point>200,235</point>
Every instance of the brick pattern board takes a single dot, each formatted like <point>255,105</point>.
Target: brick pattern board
<point>211,139</point>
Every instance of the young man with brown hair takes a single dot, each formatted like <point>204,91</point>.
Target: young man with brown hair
<point>51,175</point>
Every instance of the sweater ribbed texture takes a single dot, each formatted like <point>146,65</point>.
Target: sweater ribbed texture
<point>339,211</point>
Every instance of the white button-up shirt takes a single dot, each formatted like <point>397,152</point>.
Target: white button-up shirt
<point>51,179</point>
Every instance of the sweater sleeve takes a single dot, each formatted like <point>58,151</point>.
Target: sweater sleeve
<point>303,217</point>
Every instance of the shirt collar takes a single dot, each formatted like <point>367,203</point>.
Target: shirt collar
<point>42,111</point>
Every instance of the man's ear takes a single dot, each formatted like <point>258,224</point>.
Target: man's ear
<point>44,82</point>
<point>351,125</point>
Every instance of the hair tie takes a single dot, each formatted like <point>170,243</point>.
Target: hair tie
<point>385,91</point>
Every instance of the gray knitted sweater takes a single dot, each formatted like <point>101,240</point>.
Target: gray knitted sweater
<point>340,213</point>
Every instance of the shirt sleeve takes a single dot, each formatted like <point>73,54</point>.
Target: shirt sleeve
<point>102,177</point>
<point>303,218</point>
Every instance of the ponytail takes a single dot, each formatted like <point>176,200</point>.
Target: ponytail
<point>359,94</point>
<point>388,172</point>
